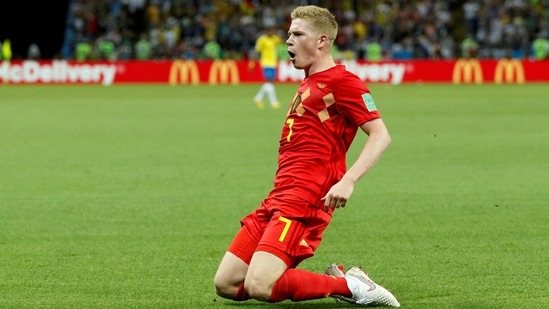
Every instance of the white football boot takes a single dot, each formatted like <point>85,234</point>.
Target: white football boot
<point>337,271</point>
<point>364,290</point>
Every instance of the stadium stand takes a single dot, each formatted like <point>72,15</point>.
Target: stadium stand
<point>405,29</point>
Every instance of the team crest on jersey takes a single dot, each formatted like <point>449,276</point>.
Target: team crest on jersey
<point>369,101</point>
<point>295,103</point>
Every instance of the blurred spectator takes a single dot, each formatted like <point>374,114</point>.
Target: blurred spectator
<point>83,51</point>
<point>282,51</point>
<point>212,50</point>
<point>6,50</point>
<point>33,53</point>
<point>374,51</point>
<point>143,48</point>
<point>170,36</point>
<point>469,48</point>
<point>471,10</point>
<point>105,49</point>
<point>125,50</point>
<point>404,50</point>
<point>540,47</point>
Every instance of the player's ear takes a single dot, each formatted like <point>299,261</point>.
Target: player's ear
<point>322,40</point>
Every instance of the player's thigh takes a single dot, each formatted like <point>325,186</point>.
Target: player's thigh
<point>231,272</point>
<point>264,270</point>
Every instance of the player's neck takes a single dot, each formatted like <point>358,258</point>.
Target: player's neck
<point>320,66</point>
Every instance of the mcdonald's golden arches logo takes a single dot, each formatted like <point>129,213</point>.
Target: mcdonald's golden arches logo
<point>223,72</point>
<point>468,70</point>
<point>185,72</point>
<point>507,70</point>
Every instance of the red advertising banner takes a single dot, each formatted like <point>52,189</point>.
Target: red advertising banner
<point>191,72</point>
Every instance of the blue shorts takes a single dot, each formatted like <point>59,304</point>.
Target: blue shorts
<point>269,74</point>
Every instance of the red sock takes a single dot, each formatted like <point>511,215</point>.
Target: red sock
<point>297,285</point>
<point>241,294</point>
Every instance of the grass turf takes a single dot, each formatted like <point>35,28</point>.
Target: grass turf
<point>127,196</point>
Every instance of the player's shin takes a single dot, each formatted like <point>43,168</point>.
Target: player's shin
<point>298,285</point>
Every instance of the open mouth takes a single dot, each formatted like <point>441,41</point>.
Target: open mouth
<point>292,55</point>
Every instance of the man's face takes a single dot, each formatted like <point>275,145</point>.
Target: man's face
<point>302,44</point>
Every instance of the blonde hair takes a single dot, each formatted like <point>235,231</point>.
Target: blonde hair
<point>322,20</point>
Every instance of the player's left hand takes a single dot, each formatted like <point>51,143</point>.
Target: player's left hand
<point>339,194</point>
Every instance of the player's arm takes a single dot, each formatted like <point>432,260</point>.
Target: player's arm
<point>378,140</point>
<point>254,54</point>
<point>258,47</point>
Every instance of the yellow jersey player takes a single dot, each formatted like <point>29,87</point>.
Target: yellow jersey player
<point>267,48</point>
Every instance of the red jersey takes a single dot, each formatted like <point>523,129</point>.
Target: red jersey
<point>321,124</point>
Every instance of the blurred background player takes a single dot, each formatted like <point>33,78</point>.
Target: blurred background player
<point>267,46</point>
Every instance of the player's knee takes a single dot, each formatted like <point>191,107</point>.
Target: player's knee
<point>224,289</point>
<point>258,289</point>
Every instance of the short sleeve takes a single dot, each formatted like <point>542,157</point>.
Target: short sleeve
<point>354,100</point>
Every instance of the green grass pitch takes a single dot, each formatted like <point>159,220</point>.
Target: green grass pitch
<point>127,196</point>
